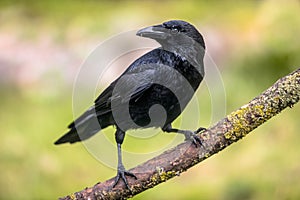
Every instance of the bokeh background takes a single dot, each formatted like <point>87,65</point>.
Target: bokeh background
<point>44,43</point>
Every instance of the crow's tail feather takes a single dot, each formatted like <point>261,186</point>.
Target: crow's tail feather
<point>82,132</point>
<point>70,137</point>
<point>83,128</point>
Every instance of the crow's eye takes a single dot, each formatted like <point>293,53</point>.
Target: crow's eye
<point>176,27</point>
<point>174,30</point>
<point>169,26</point>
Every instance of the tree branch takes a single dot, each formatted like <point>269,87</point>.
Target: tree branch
<point>284,93</point>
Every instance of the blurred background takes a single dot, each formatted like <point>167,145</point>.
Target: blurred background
<point>44,43</point>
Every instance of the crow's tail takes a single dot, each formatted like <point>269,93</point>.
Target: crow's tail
<point>71,136</point>
<point>83,128</point>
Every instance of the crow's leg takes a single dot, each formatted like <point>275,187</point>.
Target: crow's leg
<point>189,135</point>
<point>122,173</point>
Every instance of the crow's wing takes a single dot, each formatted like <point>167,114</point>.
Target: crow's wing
<point>137,75</point>
<point>116,95</point>
<point>129,86</point>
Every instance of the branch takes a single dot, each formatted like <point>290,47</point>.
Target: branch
<point>284,93</point>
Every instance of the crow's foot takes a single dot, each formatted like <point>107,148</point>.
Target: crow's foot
<point>192,136</point>
<point>121,174</point>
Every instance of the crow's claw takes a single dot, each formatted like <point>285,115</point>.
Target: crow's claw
<point>201,129</point>
<point>192,136</point>
<point>122,173</point>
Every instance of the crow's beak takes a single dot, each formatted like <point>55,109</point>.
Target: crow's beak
<point>154,32</point>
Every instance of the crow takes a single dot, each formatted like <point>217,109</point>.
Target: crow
<point>166,77</point>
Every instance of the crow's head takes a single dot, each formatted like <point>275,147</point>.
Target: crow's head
<point>180,38</point>
<point>174,32</point>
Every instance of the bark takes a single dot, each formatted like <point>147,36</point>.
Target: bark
<point>284,93</point>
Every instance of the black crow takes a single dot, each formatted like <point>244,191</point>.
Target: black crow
<point>167,76</point>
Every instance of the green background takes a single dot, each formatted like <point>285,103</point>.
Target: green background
<point>44,43</point>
